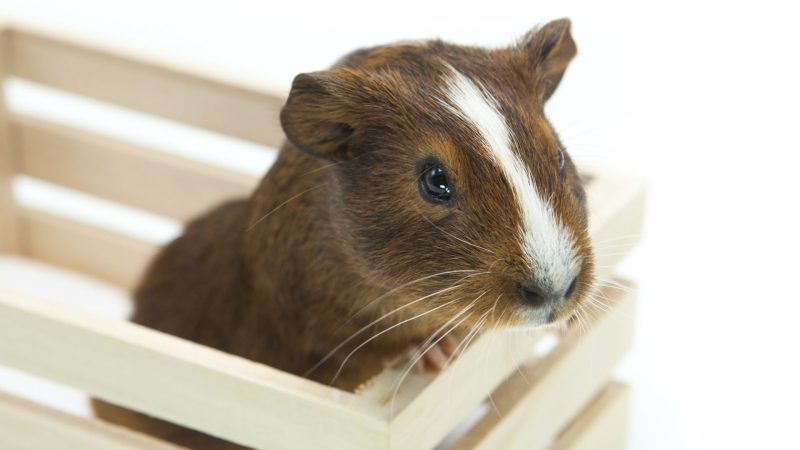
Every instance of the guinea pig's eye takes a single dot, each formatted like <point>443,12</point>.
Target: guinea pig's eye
<point>434,185</point>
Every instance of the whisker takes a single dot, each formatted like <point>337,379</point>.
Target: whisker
<point>369,325</point>
<point>606,255</point>
<point>428,345</point>
<point>592,301</point>
<point>282,205</point>
<point>327,166</point>
<point>613,246</point>
<point>467,339</point>
<point>617,238</point>
<point>360,346</point>
<point>486,378</point>
<point>403,286</point>
<point>453,236</point>
<point>600,282</point>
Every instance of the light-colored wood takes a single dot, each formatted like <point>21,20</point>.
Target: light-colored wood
<point>534,404</point>
<point>8,225</point>
<point>616,213</point>
<point>600,426</point>
<point>150,88</point>
<point>536,401</point>
<point>181,381</point>
<point>94,251</point>
<point>26,425</point>
<point>146,179</point>
<point>425,407</point>
<point>431,413</point>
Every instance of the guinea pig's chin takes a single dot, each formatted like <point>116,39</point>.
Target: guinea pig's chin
<point>550,315</point>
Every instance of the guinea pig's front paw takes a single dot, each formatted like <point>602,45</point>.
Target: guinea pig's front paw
<point>436,356</point>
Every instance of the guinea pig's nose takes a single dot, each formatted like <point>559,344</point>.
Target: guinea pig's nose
<point>534,295</point>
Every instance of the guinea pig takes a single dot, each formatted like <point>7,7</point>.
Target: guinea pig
<point>421,193</point>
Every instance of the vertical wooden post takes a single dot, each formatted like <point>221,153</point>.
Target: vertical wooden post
<point>8,226</point>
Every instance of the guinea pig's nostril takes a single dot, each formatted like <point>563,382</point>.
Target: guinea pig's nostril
<point>533,295</point>
<point>571,288</point>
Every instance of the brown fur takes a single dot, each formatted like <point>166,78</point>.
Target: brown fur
<point>337,225</point>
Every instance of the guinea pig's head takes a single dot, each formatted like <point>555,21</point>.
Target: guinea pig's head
<point>447,181</point>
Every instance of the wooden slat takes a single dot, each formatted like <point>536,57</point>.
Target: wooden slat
<point>541,399</point>
<point>8,231</point>
<point>26,425</point>
<point>146,179</point>
<point>601,425</point>
<point>181,381</point>
<point>150,88</point>
<point>94,251</point>
<point>428,406</point>
<point>616,213</point>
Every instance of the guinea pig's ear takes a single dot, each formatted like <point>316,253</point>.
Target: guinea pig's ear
<point>315,117</point>
<point>550,49</point>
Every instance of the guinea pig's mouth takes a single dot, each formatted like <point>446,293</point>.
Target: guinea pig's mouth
<point>550,314</point>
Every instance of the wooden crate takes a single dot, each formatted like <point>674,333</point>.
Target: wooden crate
<point>561,399</point>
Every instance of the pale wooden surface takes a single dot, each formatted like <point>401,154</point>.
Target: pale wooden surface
<point>159,90</point>
<point>143,178</point>
<point>199,387</point>
<point>616,212</point>
<point>602,425</point>
<point>94,251</point>
<point>424,412</point>
<point>541,399</point>
<point>8,237</point>
<point>30,426</point>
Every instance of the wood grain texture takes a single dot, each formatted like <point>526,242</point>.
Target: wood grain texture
<point>181,381</point>
<point>537,403</point>
<point>601,425</point>
<point>8,225</point>
<point>150,88</point>
<point>94,251</point>
<point>125,173</point>
<point>425,407</point>
<point>26,425</point>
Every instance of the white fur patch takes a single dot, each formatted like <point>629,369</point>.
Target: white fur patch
<point>547,245</point>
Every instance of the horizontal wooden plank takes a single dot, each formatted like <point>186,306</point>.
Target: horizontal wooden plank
<point>601,425</point>
<point>181,381</point>
<point>8,229</point>
<point>143,178</point>
<point>536,403</point>
<point>27,425</point>
<point>94,251</point>
<point>156,89</point>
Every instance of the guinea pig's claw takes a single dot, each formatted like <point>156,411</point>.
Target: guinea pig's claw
<point>437,357</point>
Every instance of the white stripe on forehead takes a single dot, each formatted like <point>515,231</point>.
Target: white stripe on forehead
<point>547,245</point>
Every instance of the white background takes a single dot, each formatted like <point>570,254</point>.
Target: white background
<point>699,98</point>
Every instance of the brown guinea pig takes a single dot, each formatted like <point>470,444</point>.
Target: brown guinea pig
<point>421,192</point>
